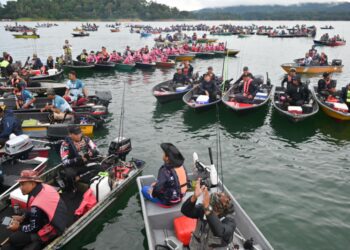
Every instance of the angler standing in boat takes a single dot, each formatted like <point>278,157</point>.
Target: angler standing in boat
<point>187,69</point>
<point>215,225</point>
<point>289,77</point>
<point>245,73</point>
<point>76,92</point>
<point>9,125</point>
<point>326,86</point>
<point>59,106</point>
<point>171,184</point>
<point>67,51</point>
<point>45,220</point>
<point>5,68</point>
<point>76,151</point>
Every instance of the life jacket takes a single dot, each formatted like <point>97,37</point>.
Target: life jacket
<point>4,64</point>
<point>182,178</point>
<point>48,200</point>
<point>175,187</point>
<point>348,96</point>
<point>246,86</point>
<point>204,239</point>
<point>67,50</point>
<point>83,57</point>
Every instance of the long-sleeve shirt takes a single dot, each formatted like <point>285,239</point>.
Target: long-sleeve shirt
<point>73,156</point>
<point>220,228</point>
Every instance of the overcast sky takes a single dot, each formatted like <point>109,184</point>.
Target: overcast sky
<point>199,4</point>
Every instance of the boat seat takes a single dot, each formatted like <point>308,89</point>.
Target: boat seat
<point>155,210</point>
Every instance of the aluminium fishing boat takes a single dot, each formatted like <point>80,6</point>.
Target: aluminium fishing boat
<point>162,224</point>
<point>313,69</point>
<point>166,91</point>
<point>330,107</point>
<point>55,75</point>
<point>261,98</point>
<point>40,88</point>
<point>308,109</point>
<point>106,187</point>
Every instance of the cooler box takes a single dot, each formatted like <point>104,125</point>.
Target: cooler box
<point>17,197</point>
<point>35,72</point>
<point>261,96</point>
<point>202,99</point>
<point>52,72</point>
<point>295,110</point>
<point>181,89</point>
<point>183,227</point>
<point>341,107</point>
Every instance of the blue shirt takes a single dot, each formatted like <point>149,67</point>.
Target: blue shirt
<point>61,104</point>
<point>75,89</point>
<point>26,95</point>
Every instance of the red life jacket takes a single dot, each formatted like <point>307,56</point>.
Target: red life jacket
<point>246,86</point>
<point>48,200</point>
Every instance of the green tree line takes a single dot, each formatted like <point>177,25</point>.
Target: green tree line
<point>89,9</point>
<point>149,10</point>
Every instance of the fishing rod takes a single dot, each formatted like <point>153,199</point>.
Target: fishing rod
<point>122,112</point>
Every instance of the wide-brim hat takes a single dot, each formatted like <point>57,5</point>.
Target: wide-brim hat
<point>29,175</point>
<point>174,155</point>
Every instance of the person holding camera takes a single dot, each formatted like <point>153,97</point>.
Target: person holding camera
<point>171,184</point>
<point>216,225</point>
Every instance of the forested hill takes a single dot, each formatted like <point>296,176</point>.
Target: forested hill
<point>89,9</point>
<point>149,10</point>
<point>307,11</point>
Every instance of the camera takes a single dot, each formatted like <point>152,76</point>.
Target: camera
<point>206,182</point>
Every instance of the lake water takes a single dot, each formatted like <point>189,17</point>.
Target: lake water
<point>292,179</point>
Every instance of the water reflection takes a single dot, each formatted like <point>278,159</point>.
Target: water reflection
<point>242,122</point>
<point>293,132</point>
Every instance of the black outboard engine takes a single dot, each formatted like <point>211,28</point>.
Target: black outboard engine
<point>337,62</point>
<point>120,147</point>
<point>103,97</point>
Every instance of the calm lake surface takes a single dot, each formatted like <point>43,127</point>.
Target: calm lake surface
<point>292,179</point>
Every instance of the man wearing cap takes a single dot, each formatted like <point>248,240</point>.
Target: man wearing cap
<point>45,219</point>
<point>327,85</point>
<point>9,125</point>
<point>76,92</point>
<point>59,106</point>
<point>76,151</point>
<point>215,225</point>
<point>179,77</point>
<point>187,69</point>
<point>171,184</point>
<point>289,77</point>
<point>297,93</point>
<point>245,73</point>
<point>210,72</point>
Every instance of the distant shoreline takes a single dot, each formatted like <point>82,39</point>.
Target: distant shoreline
<point>166,20</point>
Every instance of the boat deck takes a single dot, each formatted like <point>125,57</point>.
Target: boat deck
<point>159,221</point>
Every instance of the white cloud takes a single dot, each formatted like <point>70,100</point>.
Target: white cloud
<point>199,4</point>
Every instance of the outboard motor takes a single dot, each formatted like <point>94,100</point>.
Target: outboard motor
<point>120,147</point>
<point>337,62</point>
<point>103,97</point>
<point>208,174</point>
<point>18,146</point>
